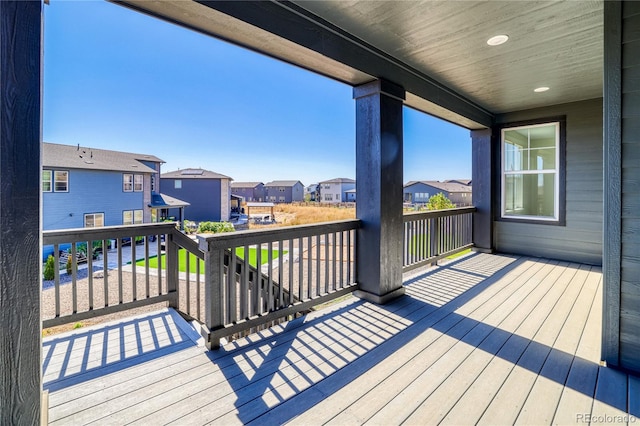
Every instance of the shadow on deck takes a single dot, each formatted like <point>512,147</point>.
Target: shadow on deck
<point>484,339</point>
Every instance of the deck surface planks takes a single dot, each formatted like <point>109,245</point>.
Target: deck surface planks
<point>486,338</point>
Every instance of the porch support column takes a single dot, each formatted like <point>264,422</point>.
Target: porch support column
<point>20,177</point>
<point>379,188</point>
<point>481,174</point>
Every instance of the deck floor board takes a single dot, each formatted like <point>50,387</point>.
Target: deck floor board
<point>483,339</point>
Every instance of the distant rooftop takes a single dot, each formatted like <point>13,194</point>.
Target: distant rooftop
<point>339,180</point>
<point>448,186</point>
<point>282,183</point>
<point>245,184</point>
<point>79,157</point>
<point>194,174</point>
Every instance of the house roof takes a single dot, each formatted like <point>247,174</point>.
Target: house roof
<point>462,181</point>
<point>283,183</point>
<point>159,201</point>
<point>245,184</point>
<point>350,191</point>
<point>444,186</point>
<point>193,174</point>
<point>78,157</point>
<point>339,180</point>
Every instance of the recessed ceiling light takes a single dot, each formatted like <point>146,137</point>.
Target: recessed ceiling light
<point>541,89</point>
<point>498,40</point>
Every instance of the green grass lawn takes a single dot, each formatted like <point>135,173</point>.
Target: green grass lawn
<point>182,259</point>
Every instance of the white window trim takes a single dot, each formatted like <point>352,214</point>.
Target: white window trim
<point>556,171</point>
<point>50,180</point>
<point>53,176</point>
<point>94,219</point>
<point>124,183</point>
<point>141,183</point>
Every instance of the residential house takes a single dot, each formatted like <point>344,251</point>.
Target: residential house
<point>311,192</point>
<point>208,193</point>
<point>249,191</point>
<point>419,192</point>
<point>87,187</point>
<point>350,195</point>
<point>284,191</point>
<point>577,127</point>
<point>335,190</point>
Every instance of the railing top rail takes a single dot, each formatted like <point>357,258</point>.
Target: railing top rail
<point>249,237</point>
<point>408,217</point>
<point>59,236</point>
<point>184,241</point>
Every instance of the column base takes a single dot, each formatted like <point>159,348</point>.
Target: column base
<point>377,299</point>
<point>482,250</point>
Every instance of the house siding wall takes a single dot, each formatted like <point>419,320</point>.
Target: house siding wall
<point>630,220</point>
<point>419,187</point>
<point>204,196</point>
<point>90,191</point>
<point>580,240</point>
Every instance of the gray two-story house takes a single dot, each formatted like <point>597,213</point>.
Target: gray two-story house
<point>284,191</point>
<point>208,193</point>
<point>336,190</point>
<point>249,191</point>
<point>419,192</point>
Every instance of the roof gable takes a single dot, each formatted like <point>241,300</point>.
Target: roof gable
<point>77,157</point>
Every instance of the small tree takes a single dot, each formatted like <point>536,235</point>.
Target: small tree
<point>439,202</point>
<point>49,272</point>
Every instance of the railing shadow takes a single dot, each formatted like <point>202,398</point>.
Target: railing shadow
<point>286,372</point>
<point>85,354</point>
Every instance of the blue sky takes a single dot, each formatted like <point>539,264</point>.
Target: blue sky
<point>117,79</point>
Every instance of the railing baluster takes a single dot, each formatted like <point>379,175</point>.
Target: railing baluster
<point>172,262</point>
<point>146,265</point>
<point>270,294</point>
<point>90,272</point>
<point>349,258</point>
<point>341,245</point>
<point>231,285</point>
<point>198,290</point>
<point>300,269</point>
<point>187,264</point>
<point>257,284</point>
<point>318,265</point>
<point>105,270</point>
<point>159,251</point>
<point>119,248</point>
<point>291,291</point>
<point>244,285</point>
<point>56,276</point>
<point>134,290</point>
<point>74,277</point>
<point>309,266</point>
<point>280,277</point>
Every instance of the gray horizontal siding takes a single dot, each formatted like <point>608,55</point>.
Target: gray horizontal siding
<point>630,223</point>
<point>580,240</point>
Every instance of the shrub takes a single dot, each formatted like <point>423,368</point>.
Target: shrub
<point>215,227</point>
<point>69,265</point>
<point>49,272</point>
<point>439,202</point>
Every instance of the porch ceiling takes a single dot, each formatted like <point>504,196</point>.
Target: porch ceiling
<point>436,49</point>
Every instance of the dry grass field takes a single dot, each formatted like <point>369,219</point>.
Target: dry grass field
<point>302,214</point>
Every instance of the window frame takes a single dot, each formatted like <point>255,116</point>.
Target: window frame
<point>126,184</point>
<point>177,184</point>
<point>141,183</point>
<point>50,181</point>
<point>559,218</point>
<point>133,214</point>
<point>94,218</point>
<point>55,174</point>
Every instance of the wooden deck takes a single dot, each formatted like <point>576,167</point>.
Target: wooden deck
<point>486,339</point>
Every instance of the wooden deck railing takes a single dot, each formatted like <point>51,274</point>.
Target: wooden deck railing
<point>277,273</point>
<point>117,285</point>
<point>433,235</point>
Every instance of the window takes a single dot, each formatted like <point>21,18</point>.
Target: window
<point>177,184</point>
<point>328,197</point>
<point>46,181</point>
<point>127,182</point>
<point>153,183</point>
<point>281,189</point>
<point>138,183</point>
<point>130,217</point>
<point>61,181</point>
<point>281,199</point>
<point>93,220</point>
<point>531,173</point>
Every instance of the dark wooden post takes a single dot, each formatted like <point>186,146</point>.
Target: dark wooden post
<point>213,291</point>
<point>379,188</point>
<point>481,175</point>
<point>21,263</point>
